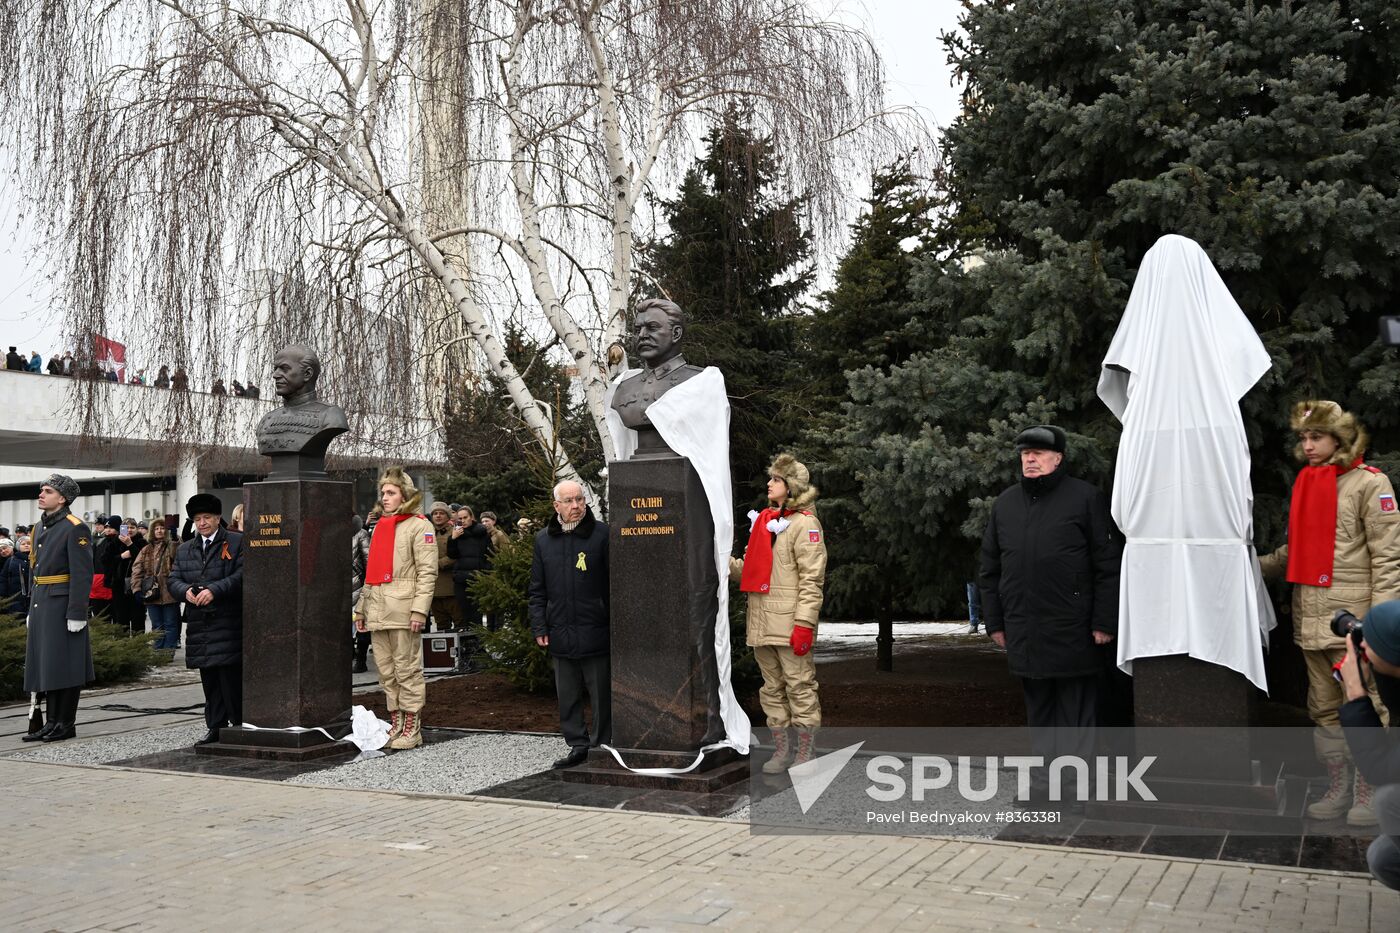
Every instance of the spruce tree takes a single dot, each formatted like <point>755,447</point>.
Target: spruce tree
<point>1268,134</point>
<point>860,323</point>
<point>736,260</point>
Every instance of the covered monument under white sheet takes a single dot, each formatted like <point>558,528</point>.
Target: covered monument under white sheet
<point>1182,358</point>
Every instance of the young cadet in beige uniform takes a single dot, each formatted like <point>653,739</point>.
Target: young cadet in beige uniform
<point>400,576</point>
<point>1343,552</point>
<point>782,573</point>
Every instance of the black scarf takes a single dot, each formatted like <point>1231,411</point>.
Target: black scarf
<point>1037,486</point>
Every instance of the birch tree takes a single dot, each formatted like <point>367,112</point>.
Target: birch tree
<point>396,180</point>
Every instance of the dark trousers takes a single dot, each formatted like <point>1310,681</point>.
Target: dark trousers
<point>468,613</point>
<point>1062,715</point>
<point>223,695</point>
<point>129,613</point>
<point>571,676</point>
<point>1383,856</point>
<point>61,706</point>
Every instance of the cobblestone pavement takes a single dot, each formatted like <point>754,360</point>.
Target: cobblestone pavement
<point>109,849</point>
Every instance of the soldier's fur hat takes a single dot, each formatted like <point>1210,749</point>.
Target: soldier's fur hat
<point>412,498</point>
<point>1330,418</point>
<point>65,486</point>
<point>801,492</point>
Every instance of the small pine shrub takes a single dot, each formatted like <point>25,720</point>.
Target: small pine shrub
<point>116,656</point>
<point>503,591</point>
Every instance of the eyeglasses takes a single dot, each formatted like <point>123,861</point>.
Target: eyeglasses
<point>573,500</point>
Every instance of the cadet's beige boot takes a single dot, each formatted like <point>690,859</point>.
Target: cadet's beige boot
<point>806,743</point>
<point>782,753</point>
<point>412,734</point>
<point>1335,801</point>
<point>395,725</point>
<point>1362,813</point>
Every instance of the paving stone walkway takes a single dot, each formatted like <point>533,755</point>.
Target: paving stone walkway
<point>93,848</point>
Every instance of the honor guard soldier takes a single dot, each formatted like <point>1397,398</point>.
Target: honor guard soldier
<point>58,652</point>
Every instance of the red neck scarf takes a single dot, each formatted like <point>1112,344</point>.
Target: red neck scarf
<point>758,556</point>
<point>379,568</point>
<point>1312,523</point>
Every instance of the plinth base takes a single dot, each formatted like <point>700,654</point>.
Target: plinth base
<point>720,769</point>
<point>238,742</point>
<point>1267,804</point>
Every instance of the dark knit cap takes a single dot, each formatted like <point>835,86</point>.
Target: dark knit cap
<point>203,502</point>
<point>1041,437</point>
<point>1381,629</point>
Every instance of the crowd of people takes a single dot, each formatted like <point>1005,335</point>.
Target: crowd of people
<point>68,365</point>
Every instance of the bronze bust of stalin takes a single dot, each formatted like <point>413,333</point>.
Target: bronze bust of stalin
<point>658,330</point>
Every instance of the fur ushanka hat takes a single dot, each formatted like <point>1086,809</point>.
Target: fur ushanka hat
<point>801,492</point>
<point>412,498</point>
<point>1330,418</point>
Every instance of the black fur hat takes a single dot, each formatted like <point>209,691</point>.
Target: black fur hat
<point>203,502</point>
<point>1041,437</point>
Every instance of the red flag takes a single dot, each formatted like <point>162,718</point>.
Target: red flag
<point>110,356</point>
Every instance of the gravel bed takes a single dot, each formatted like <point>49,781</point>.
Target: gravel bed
<point>458,766</point>
<point>104,749</point>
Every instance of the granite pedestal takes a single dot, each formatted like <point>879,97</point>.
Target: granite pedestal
<point>297,650</point>
<point>1188,711</point>
<point>664,595</point>
<point>1194,717</point>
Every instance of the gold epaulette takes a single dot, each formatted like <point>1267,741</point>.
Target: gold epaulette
<point>74,519</point>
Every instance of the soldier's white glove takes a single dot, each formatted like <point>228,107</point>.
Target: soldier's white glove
<point>77,625</point>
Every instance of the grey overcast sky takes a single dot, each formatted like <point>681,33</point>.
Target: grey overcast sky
<point>905,31</point>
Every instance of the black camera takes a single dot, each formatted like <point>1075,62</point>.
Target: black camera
<point>1346,625</point>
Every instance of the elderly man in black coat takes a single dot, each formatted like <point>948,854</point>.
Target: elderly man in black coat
<point>569,616</point>
<point>207,576</point>
<point>58,652</point>
<point>1050,562</point>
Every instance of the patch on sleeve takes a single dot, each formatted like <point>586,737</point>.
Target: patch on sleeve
<point>1387,502</point>
<point>814,536</point>
<point>429,537</point>
<point>82,542</point>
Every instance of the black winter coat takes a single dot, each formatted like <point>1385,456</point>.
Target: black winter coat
<point>107,560</point>
<point>1374,748</point>
<point>1050,562</point>
<point>12,585</point>
<point>569,588</point>
<point>470,552</point>
<point>214,636</point>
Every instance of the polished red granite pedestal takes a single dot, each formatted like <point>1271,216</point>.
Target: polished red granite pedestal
<point>664,597</point>
<point>297,650</point>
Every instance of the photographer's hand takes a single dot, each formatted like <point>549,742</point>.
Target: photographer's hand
<point>1351,674</point>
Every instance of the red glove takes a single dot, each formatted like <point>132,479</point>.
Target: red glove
<point>801,640</point>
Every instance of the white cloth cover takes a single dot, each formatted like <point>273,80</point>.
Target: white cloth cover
<point>1183,357</point>
<point>693,420</point>
<point>367,730</point>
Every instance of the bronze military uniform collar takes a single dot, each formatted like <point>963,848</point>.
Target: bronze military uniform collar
<point>664,370</point>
